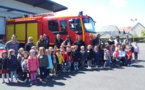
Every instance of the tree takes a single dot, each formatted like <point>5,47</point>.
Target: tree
<point>143,33</point>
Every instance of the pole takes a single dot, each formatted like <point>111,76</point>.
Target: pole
<point>133,20</point>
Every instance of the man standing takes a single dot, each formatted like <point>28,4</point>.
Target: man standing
<point>46,40</point>
<point>12,44</point>
<point>96,40</point>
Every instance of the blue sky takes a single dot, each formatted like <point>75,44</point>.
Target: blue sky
<point>106,12</point>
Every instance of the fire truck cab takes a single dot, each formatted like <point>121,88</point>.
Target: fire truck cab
<point>51,26</point>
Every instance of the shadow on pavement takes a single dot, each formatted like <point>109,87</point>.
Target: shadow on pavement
<point>54,80</point>
<point>51,81</point>
<point>138,66</point>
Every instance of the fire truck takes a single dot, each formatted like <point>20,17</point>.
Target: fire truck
<point>51,26</point>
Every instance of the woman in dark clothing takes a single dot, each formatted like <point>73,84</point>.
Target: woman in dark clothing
<point>68,40</point>
<point>41,42</point>
<point>29,44</point>
<point>58,41</point>
<point>79,42</point>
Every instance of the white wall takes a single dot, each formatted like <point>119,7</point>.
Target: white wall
<point>137,30</point>
<point>22,6</point>
<point>2,25</point>
<point>16,5</point>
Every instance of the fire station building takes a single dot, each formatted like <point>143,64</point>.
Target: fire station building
<point>19,8</point>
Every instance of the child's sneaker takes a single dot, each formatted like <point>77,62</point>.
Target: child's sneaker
<point>45,79</point>
<point>12,81</point>
<point>25,80</point>
<point>3,81</point>
<point>128,65</point>
<point>40,80</point>
<point>97,67</point>
<point>48,76</point>
<point>16,81</point>
<point>64,70</point>
<point>29,80</point>
<point>31,83</point>
<point>68,70</point>
<point>9,81</point>
<point>35,81</point>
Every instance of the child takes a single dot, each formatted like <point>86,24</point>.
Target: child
<point>35,49</point>
<point>24,66</point>
<point>83,57</point>
<point>90,56</point>
<point>116,56</point>
<point>76,57</point>
<point>13,64</point>
<point>51,49</point>
<point>43,64</point>
<point>128,55</point>
<point>122,55</point>
<point>97,56</point>
<point>55,62</point>
<point>3,67</point>
<point>68,56</point>
<point>19,58</point>
<point>136,50</point>
<point>50,66</point>
<point>107,57</point>
<point>33,65</point>
<point>20,55</point>
<point>60,60</point>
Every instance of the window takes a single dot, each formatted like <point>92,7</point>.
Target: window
<point>63,25</point>
<point>53,25</point>
<point>89,25</point>
<point>75,25</point>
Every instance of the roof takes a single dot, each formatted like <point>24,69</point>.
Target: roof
<point>108,28</point>
<point>126,29</point>
<point>45,4</point>
<point>129,29</point>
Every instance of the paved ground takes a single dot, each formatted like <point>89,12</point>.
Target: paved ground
<point>124,78</point>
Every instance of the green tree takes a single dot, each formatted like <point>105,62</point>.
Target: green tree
<point>143,33</point>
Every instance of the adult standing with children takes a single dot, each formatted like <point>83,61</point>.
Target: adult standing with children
<point>79,42</point>
<point>58,41</point>
<point>12,44</point>
<point>127,40</point>
<point>29,44</point>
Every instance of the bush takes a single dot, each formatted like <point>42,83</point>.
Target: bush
<point>136,39</point>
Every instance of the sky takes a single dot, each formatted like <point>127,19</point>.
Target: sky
<point>106,12</point>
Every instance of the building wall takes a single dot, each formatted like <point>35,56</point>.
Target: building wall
<point>22,6</point>
<point>4,14</point>
<point>137,30</point>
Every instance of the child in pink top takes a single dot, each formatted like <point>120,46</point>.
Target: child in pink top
<point>116,56</point>
<point>33,65</point>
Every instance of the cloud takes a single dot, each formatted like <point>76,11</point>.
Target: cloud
<point>118,3</point>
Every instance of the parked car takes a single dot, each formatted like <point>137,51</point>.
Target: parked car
<point>2,48</point>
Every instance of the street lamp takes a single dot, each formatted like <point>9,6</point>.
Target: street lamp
<point>133,20</point>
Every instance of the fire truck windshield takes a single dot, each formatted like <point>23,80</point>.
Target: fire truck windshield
<point>89,25</point>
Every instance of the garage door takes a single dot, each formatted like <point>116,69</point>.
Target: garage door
<point>2,25</point>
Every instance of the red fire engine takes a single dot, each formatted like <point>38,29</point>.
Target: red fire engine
<point>51,25</point>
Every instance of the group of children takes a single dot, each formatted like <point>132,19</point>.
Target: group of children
<point>44,62</point>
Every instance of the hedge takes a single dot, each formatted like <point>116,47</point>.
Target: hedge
<point>136,39</point>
